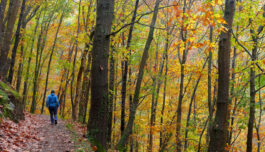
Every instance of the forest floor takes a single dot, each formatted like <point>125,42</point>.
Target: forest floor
<point>36,134</point>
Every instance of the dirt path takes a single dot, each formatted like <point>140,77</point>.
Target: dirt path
<point>35,134</point>
<point>54,138</point>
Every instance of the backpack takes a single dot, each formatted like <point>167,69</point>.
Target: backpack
<point>52,101</point>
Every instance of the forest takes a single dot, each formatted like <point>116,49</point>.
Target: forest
<point>141,75</point>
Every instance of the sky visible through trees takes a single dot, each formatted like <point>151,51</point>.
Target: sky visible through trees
<point>142,75</point>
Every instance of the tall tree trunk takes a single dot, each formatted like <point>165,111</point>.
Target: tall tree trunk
<point>85,90</point>
<point>25,20</point>
<point>79,84</point>
<point>161,142</point>
<point>20,64</point>
<point>125,68</point>
<point>219,134</point>
<point>97,123</point>
<point>252,92</point>
<point>35,80</point>
<point>50,60</point>
<point>128,130</point>
<point>152,117</point>
<point>75,106</point>
<point>254,56</point>
<point>25,89</point>
<point>5,41</point>
<point>183,35</point>
<point>17,39</point>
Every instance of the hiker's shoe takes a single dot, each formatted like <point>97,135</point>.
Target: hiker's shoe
<point>55,121</point>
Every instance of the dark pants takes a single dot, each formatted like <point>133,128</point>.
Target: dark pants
<point>53,113</point>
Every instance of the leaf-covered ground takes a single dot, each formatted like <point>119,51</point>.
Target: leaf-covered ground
<point>36,133</point>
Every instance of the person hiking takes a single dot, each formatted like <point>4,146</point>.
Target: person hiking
<point>53,104</point>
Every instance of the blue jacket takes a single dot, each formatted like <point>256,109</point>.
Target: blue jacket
<point>52,101</point>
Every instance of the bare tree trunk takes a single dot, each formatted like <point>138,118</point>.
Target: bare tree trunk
<point>219,134</point>
<point>97,123</point>
<point>128,130</point>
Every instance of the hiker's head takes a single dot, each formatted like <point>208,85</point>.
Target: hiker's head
<point>52,91</point>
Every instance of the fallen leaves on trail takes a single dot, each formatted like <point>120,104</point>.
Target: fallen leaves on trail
<point>19,137</point>
<point>35,134</point>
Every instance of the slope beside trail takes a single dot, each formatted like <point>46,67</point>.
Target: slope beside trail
<point>35,134</point>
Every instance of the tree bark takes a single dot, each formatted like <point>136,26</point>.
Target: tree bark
<point>97,123</point>
<point>252,92</point>
<point>219,134</point>
<point>5,41</point>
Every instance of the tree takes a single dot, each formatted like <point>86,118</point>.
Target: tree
<point>97,123</point>
<point>219,132</point>
<point>14,50</point>
<point>6,32</point>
